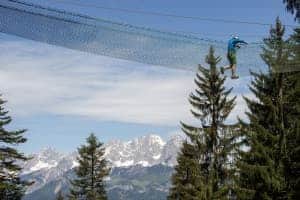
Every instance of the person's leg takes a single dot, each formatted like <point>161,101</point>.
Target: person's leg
<point>234,75</point>
<point>227,67</point>
<point>233,68</point>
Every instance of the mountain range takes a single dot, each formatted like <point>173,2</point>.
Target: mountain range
<point>141,169</point>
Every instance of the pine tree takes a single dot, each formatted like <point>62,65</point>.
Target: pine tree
<point>204,170</point>
<point>59,196</point>
<point>11,186</point>
<point>261,168</point>
<point>91,172</point>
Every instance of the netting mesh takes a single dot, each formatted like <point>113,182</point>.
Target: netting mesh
<point>103,37</point>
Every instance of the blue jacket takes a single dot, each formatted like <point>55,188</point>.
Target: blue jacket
<point>233,44</point>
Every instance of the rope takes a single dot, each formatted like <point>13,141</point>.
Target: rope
<point>117,40</point>
<point>143,12</point>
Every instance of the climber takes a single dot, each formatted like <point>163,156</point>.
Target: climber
<point>233,44</point>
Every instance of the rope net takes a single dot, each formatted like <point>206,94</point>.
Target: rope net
<point>123,41</point>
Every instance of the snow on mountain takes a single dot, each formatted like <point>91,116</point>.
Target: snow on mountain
<point>146,151</point>
<point>45,166</point>
<point>46,159</point>
<point>170,150</point>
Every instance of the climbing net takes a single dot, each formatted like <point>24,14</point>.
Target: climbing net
<point>118,40</point>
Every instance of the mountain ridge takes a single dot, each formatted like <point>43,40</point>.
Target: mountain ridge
<point>146,152</point>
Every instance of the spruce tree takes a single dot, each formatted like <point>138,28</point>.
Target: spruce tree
<point>292,161</point>
<point>59,196</point>
<point>11,186</point>
<point>186,181</point>
<point>292,158</point>
<point>92,169</point>
<point>261,167</point>
<point>293,6</point>
<point>204,169</point>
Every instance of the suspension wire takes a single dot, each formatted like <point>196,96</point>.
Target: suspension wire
<point>160,30</point>
<point>98,36</point>
<point>160,14</point>
<point>79,4</point>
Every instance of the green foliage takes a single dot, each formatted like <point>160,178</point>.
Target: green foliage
<point>292,158</point>
<point>271,116</point>
<point>186,180</point>
<point>204,169</point>
<point>59,196</point>
<point>11,187</point>
<point>91,172</point>
<point>293,6</point>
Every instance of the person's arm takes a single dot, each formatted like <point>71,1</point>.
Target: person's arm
<point>237,42</point>
<point>241,42</point>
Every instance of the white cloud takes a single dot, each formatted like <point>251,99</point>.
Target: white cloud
<point>37,78</point>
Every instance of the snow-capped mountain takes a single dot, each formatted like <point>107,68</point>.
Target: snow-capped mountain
<point>46,159</point>
<point>46,166</point>
<point>125,183</point>
<point>146,151</point>
<point>170,150</point>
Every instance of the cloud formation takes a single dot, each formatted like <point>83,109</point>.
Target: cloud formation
<point>37,79</point>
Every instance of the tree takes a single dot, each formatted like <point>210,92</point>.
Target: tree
<point>186,184</point>
<point>91,172</point>
<point>204,169</point>
<point>59,196</point>
<point>293,6</point>
<point>261,168</point>
<point>292,159</point>
<point>11,186</point>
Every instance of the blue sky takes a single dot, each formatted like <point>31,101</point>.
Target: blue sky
<point>61,95</point>
<point>263,11</point>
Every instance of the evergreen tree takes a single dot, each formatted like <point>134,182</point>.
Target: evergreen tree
<point>261,168</point>
<point>204,170</point>
<point>292,159</point>
<point>186,181</point>
<point>11,186</point>
<point>293,6</point>
<point>91,172</point>
<point>59,196</point>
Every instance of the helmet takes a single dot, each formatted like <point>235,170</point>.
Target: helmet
<point>235,37</point>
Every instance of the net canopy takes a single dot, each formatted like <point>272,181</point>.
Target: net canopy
<point>118,40</point>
